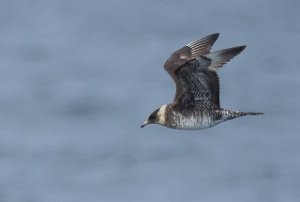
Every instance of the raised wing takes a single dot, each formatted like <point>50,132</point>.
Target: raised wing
<point>197,81</point>
<point>189,52</point>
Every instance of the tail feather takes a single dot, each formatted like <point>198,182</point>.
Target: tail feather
<point>250,113</point>
<point>231,114</point>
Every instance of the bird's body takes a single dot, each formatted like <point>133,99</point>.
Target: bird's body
<point>196,119</point>
<point>196,104</point>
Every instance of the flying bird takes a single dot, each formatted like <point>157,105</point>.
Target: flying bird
<point>196,104</point>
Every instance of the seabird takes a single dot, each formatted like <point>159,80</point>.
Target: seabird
<point>196,103</point>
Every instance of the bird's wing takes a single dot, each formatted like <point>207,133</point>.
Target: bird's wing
<point>189,52</point>
<point>198,82</point>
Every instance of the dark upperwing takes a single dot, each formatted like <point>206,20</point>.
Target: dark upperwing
<point>190,51</point>
<point>197,82</point>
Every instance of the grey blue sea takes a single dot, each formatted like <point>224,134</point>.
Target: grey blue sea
<point>78,78</point>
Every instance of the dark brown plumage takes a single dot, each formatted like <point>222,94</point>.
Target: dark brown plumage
<point>196,103</point>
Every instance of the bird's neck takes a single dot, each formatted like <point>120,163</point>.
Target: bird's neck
<point>162,114</point>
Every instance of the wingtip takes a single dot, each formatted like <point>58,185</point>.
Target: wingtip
<point>242,47</point>
<point>217,34</point>
<point>237,50</point>
<point>214,36</point>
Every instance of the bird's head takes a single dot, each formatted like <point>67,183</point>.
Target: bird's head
<point>156,117</point>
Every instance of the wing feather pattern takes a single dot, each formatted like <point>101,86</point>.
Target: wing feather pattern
<point>189,52</point>
<point>197,80</point>
<point>221,57</point>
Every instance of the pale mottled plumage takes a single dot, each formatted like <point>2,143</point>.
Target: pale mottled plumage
<point>196,103</point>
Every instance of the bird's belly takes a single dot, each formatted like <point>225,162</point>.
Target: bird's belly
<point>194,122</point>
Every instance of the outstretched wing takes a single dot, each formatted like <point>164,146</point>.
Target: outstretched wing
<point>190,51</point>
<point>197,80</point>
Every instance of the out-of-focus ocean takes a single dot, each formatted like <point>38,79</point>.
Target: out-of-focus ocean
<point>79,77</point>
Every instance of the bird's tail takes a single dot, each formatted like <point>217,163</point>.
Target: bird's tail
<point>230,114</point>
<point>250,113</point>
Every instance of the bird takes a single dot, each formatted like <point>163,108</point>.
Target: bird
<point>196,104</point>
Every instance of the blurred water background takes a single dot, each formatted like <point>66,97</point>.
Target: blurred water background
<point>79,77</point>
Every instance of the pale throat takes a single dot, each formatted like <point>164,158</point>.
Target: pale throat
<point>162,115</point>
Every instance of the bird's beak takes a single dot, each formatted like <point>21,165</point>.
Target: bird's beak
<point>145,123</point>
